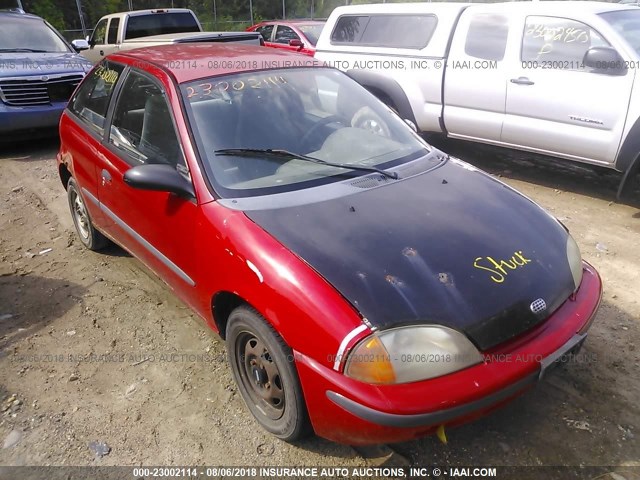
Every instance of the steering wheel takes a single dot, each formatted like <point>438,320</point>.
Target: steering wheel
<point>367,119</point>
<point>321,123</point>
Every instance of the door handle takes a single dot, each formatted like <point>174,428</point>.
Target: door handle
<point>521,81</point>
<point>102,53</point>
<point>106,177</point>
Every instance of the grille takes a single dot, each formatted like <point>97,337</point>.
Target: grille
<point>28,91</point>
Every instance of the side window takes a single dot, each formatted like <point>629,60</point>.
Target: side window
<point>265,31</point>
<point>97,37</point>
<point>399,31</point>
<point>349,29</point>
<point>112,37</point>
<point>558,40</point>
<point>487,36</point>
<point>142,125</point>
<point>91,101</point>
<point>389,31</point>
<point>284,34</point>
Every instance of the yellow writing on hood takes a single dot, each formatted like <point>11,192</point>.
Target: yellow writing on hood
<point>499,269</point>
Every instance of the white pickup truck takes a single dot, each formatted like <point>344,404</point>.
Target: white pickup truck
<point>148,28</point>
<point>557,78</point>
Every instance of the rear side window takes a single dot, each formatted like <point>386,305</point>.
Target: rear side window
<point>390,31</point>
<point>487,37</point>
<point>91,101</point>
<point>112,37</point>
<point>160,23</point>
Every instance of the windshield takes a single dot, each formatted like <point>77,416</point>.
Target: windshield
<point>627,24</point>
<point>317,112</point>
<point>29,36</point>
<point>312,32</point>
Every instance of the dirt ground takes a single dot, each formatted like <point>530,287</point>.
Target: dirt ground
<point>77,326</point>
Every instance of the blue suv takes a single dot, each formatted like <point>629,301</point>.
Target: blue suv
<point>39,71</point>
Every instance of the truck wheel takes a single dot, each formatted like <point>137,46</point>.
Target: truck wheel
<point>89,236</point>
<point>263,368</point>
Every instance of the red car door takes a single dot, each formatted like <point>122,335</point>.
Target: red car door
<point>82,130</point>
<point>157,227</point>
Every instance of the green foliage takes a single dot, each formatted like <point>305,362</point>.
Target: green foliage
<point>50,12</point>
<point>213,14</point>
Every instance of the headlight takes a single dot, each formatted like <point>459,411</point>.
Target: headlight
<point>575,261</point>
<point>410,354</point>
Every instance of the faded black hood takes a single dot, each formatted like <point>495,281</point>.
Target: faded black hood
<point>451,246</point>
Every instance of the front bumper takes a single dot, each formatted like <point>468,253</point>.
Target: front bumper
<point>21,119</point>
<point>347,411</point>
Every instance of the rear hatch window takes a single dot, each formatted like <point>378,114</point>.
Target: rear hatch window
<point>160,24</point>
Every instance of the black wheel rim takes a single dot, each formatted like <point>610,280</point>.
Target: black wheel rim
<point>260,375</point>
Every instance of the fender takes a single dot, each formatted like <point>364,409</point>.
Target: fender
<point>628,159</point>
<point>387,86</point>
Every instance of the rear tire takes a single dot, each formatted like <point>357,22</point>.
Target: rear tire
<point>263,368</point>
<point>89,236</point>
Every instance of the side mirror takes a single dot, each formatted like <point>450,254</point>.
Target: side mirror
<point>605,60</point>
<point>159,178</point>
<point>296,42</point>
<point>79,45</point>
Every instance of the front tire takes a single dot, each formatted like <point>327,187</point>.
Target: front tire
<point>89,236</point>
<point>263,368</point>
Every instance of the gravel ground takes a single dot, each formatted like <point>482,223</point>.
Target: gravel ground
<point>77,326</point>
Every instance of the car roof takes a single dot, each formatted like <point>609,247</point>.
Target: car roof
<point>292,22</point>
<point>558,6</point>
<point>188,62</point>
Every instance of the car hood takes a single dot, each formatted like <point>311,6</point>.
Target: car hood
<point>451,246</point>
<point>26,64</point>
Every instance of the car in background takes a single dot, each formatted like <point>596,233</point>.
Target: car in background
<point>150,28</point>
<point>294,35</point>
<point>368,286</point>
<point>39,71</point>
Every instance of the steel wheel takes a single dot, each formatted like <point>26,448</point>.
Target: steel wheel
<point>89,236</point>
<point>81,218</point>
<point>260,375</point>
<point>263,367</point>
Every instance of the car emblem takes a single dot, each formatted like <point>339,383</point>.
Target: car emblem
<point>538,306</point>
<point>44,78</point>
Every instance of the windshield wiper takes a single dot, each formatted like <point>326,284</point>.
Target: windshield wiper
<point>285,154</point>
<point>18,50</point>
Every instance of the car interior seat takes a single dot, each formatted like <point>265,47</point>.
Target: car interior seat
<point>158,139</point>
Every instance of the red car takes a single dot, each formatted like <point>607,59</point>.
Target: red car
<point>369,287</point>
<point>294,35</point>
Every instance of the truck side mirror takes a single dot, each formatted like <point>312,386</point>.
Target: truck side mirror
<point>79,45</point>
<point>605,60</point>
